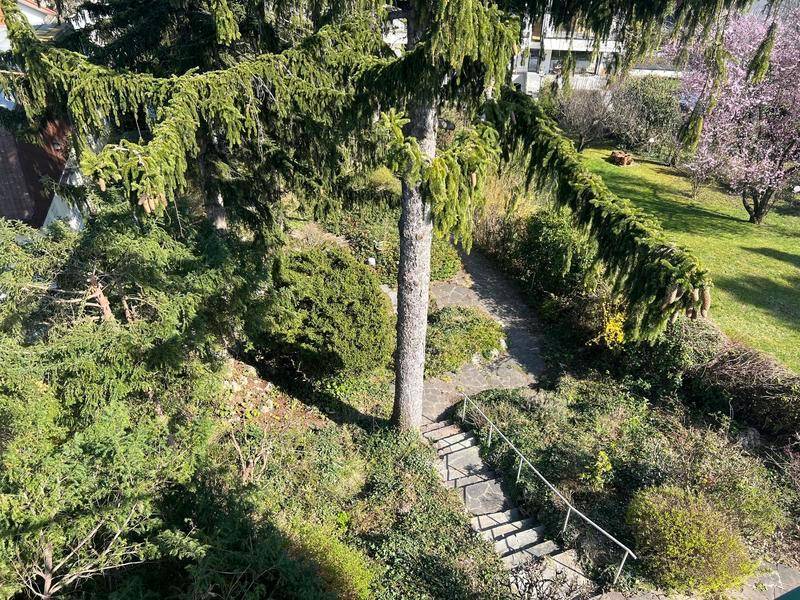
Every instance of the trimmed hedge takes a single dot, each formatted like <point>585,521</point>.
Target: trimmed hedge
<point>327,314</point>
<point>685,544</point>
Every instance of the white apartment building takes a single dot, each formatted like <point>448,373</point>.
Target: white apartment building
<point>544,48</point>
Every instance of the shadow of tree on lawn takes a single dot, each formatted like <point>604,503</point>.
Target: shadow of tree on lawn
<point>776,297</point>
<point>787,257</point>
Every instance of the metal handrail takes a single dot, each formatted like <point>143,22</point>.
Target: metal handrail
<point>570,508</point>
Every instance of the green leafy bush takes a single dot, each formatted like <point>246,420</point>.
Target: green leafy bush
<point>344,569</point>
<point>371,231</point>
<point>456,334</point>
<point>418,530</point>
<point>326,314</point>
<point>685,544</point>
<point>551,255</point>
<point>664,363</point>
<point>542,250</point>
<point>602,442</point>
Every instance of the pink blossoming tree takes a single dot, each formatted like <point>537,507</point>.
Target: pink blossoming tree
<point>750,140</point>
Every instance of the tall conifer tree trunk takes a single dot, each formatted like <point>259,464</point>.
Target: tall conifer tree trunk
<point>413,276</point>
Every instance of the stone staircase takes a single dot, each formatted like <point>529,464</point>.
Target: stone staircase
<point>518,539</point>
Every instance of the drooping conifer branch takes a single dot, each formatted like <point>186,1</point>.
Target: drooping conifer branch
<point>309,81</point>
<point>657,277</point>
<point>454,179</point>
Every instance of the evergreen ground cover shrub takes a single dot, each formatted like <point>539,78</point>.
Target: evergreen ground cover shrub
<point>358,508</point>
<point>685,543</point>
<point>370,229</point>
<point>601,443</point>
<point>325,314</point>
<point>456,334</point>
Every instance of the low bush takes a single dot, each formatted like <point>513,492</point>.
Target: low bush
<point>456,334</point>
<point>378,185</point>
<point>749,384</point>
<point>418,530</point>
<point>344,569</point>
<point>371,231</point>
<point>663,364</point>
<point>685,544</point>
<point>544,252</point>
<point>696,359</point>
<point>326,314</point>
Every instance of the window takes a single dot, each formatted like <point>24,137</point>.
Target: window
<point>533,61</point>
<point>583,61</point>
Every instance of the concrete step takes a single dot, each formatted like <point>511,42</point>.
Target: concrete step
<point>506,529</point>
<point>461,463</point>
<point>444,442</point>
<point>520,556</point>
<point>468,442</point>
<point>434,435</point>
<point>518,540</point>
<point>567,565</point>
<point>463,481</point>
<point>433,426</point>
<point>484,497</point>
<point>484,522</point>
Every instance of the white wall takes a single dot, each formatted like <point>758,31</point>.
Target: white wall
<point>35,17</point>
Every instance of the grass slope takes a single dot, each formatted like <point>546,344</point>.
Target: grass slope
<point>756,269</point>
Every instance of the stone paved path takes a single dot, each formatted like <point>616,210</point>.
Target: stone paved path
<point>481,285</point>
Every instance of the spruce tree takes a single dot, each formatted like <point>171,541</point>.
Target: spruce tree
<point>297,95</point>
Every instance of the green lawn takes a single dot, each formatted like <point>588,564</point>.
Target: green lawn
<point>756,269</point>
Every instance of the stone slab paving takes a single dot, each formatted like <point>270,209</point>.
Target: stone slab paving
<point>479,285</point>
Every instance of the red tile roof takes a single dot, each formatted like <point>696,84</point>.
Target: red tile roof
<point>31,4</point>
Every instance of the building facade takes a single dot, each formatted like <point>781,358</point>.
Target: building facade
<point>26,166</point>
<point>544,49</point>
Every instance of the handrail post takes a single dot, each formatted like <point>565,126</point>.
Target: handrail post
<point>491,430</point>
<point>619,569</point>
<point>569,512</point>
<point>519,468</point>
<point>464,410</point>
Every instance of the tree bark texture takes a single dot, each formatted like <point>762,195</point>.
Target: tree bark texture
<point>213,203</point>
<point>413,276</point>
<point>758,205</point>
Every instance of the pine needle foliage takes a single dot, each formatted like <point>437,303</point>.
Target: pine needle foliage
<point>454,179</point>
<point>308,80</point>
<point>759,65</point>
<point>657,277</point>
